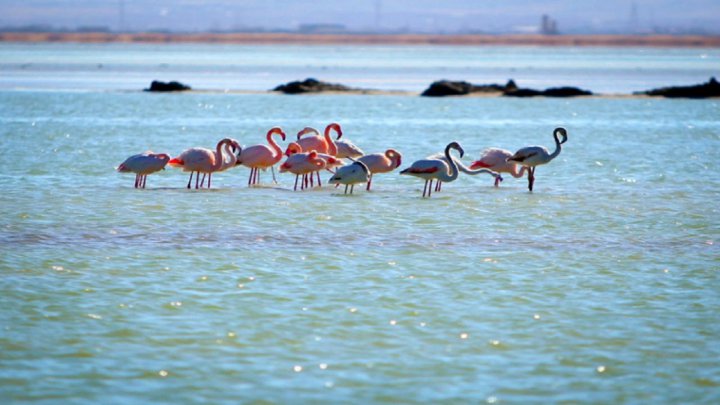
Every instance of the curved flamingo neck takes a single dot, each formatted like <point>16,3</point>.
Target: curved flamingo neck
<point>394,156</point>
<point>307,130</point>
<point>558,147</point>
<point>276,148</point>
<point>518,173</point>
<point>227,149</point>
<point>332,147</point>
<point>219,158</point>
<point>448,177</point>
<point>336,127</point>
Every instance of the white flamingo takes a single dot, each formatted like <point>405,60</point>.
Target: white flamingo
<point>350,175</point>
<point>464,169</point>
<point>143,164</point>
<point>533,156</point>
<point>436,169</point>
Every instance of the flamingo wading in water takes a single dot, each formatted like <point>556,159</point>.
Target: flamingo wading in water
<point>381,163</point>
<point>320,144</point>
<point>143,164</point>
<point>206,161</point>
<point>302,164</point>
<point>497,160</point>
<point>350,175</point>
<point>464,169</point>
<point>436,169</point>
<point>258,157</point>
<point>533,156</point>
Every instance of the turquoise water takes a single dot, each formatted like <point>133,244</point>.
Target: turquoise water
<point>600,286</point>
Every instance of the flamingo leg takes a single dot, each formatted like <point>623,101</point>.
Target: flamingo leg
<point>202,183</point>
<point>252,169</point>
<point>346,186</point>
<point>312,180</point>
<point>318,176</point>
<point>136,180</point>
<point>369,183</point>
<point>352,187</point>
<point>438,185</point>
<point>190,179</point>
<point>531,178</point>
<point>430,188</point>
<point>425,188</point>
<point>497,181</point>
<point>272,170</point>
<point>209,179</point>
<point>144,180</point>
<point>297,176</point>
<point>305,182</point>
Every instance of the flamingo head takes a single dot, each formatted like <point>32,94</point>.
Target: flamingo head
<point>336,127</point>
<point>163,156</point>
<point>293,148</point>
<point>562,132</point>
<point>307,130</point>
<point>285,167</point>
<point>276,130</point>
<point>457,147</point>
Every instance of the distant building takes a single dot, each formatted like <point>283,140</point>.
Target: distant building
<point>322,28</point>
<point>548,26</point>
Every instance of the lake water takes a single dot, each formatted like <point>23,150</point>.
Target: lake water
<point>600,286</point>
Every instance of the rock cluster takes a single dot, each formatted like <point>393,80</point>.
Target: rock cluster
<point>704,90</point>
<point>310,86</point>
<point>165,87</point>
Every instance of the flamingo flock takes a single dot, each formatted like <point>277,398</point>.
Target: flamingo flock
<point>312,153</point>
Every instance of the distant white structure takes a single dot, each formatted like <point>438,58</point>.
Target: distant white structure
<point>548,26</point>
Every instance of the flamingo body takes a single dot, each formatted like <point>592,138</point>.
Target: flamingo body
<point>261,156</point>
<point>352,174</point>
<point>302,164</point>
<point>533,156</point>
<point>436,169</point>
<point>206,161</point>
<point>381,163</point>
<point>143,164</point>
<point>496,159</point>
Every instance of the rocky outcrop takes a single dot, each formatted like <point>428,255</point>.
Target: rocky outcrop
<point>705,90</point>
<point>443,88</point>
<point>311,86</point>
<point>550,92</point>
<point>157,86</point>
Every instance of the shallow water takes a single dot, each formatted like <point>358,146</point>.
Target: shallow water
<point>600,286</point>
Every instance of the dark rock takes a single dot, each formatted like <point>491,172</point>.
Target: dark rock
<point>705,90</point>
<point>310,86</point>
<point>550,92</point>
<point>165,87</point>
<point>460,88</point>
<point>442,88</point>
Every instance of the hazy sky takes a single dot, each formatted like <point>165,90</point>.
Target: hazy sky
<point>415,15</point>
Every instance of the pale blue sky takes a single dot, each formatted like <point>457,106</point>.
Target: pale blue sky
<point>414,15</point>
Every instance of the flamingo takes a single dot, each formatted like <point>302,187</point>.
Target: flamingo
<point>533,156</point>
<point>261,156</point>
<point>465,169</point>
<point>436,169</point>
<point>381,163</point>
<point>302,164</point>
<point>352,174</point>
<point>331,162</point>
<point>206,161</point>
<point>497,160</point>
<point>143,164</point>
<point>321,144</point>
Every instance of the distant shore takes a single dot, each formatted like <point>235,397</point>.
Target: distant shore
<point>369,39</point>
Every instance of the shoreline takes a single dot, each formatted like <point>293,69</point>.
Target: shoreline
<point>692,41</point>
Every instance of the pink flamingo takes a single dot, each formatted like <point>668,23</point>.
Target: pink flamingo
<point>201,160</point>
<point>143,164</point>
<point>261,156</point>
<point>321,144</point>
<point>436,169</point>
<point>302,164</point>
<point>497,160</point>
<point>533,156</point>
<point>381,163</point>
<point>331,162</point>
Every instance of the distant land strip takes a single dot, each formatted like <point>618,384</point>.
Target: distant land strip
<point>368,39</point>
